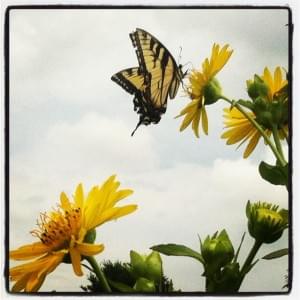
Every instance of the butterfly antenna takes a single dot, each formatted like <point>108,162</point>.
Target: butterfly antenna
<point>179,56</point>
<point>137,126</point>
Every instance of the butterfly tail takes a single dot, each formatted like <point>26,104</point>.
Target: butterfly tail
<point>137,126</point>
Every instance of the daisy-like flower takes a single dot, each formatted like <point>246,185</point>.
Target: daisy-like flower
<point>241,129</point>
<point>65,232</point>
<point>204,89</point>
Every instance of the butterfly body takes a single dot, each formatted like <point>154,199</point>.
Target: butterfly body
<point>157,77</point>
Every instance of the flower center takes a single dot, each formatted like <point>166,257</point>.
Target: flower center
<point>56,230</point>
<point>264,213</point>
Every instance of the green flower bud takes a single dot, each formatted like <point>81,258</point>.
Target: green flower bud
<point>144,285</point>
<point>154,266</point>
<point>228,280</point>
<point>257,88</point>
<point>279,111</point>
<point>265,223</point>
<point>138,264</point>
<point>149,267</point>
<point>212,91</point>
<point>217,251</point>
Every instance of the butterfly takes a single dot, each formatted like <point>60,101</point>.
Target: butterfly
<point>157,78</point>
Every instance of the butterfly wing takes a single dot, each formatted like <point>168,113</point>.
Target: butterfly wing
<point>161,73</point>
<point>131,80</point>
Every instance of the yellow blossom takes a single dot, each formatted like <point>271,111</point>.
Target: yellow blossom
<point>275,83</point>
<point>63,231</point>
<point>200,82</point>
<point>241,129</point>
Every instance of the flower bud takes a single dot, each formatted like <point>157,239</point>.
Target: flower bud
<point>154,266</point>
<point>212,91</point>
<point>265,223</point>
<point>149,267</point>
<point>217,251</point>
<point>138,264</point>
<point>257,88</point>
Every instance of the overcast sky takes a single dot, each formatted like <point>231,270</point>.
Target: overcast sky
<point>70,123</point>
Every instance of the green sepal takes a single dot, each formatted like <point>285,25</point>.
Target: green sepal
<point>90,236</point>
<point>138,264</point>
<point>178,250</point>
<point>276,175</point>
<point>276,254</point>
<point>154,267</point>
<point>144,285</point>
<point>212,91</point>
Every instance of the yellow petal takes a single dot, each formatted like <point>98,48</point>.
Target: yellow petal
<point>29,251</point>
<point>76,258</point>
<point>204,120</point>
<point>252,144</point>
<point>79,196</point>
<point>277,79</point>
<point>191,106</point>
<point>64,202</point>
<point>120,195</point>
<point>20,284</point>
<point>113,213</point>
<point>267,77</point>
<point>187,119</point>
<point>195,124</point>
<point>89,249</point>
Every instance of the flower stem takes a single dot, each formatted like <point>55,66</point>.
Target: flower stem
<point>259,128</point>
<point>101,277</point>
<point>277,142</point>
<point>249,259</point>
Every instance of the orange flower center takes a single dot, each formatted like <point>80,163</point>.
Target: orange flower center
<point>56,230</point>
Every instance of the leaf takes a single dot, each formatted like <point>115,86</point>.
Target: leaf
<point>239,248</point>
<point>177,250</point>
<point>276,175</point>
<point>277,254</point>
<point>122,287</point>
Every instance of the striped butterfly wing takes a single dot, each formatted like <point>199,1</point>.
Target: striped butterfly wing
<point>131,80</point>
<point>162,75</point>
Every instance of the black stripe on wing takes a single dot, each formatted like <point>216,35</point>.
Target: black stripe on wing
<point>131,79</point>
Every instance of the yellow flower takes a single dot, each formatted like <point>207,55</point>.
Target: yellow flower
<point>203,89</point>
<point>241,129</point>
<point>275,83</point>
<point>63,231</point>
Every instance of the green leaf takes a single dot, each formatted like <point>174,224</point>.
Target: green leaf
<point>122,287</point>
<point>177,250</point>
<point>276,175</point>
<point>239,248</point>
<point>277,254</point>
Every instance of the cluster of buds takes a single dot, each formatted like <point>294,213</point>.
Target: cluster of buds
<point>269,100</point>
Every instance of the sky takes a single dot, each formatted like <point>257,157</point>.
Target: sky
<point>70,123</point>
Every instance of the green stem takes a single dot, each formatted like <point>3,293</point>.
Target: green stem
<point>101,277</point>
<point>259,128</point>
<point>277,141</point>
<point>249,259</point>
